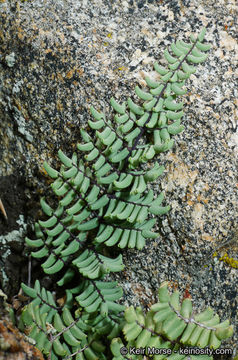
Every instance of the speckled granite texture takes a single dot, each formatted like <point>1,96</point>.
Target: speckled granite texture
<point>60,56</point>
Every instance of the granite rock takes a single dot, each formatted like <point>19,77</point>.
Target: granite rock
<point>58,57</point>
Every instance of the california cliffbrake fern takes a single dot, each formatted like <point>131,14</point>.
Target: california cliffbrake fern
<point>104,201</point>
<point>169,329</point>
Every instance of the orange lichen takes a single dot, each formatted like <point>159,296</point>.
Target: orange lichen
<point>70,73</point>
<point>187,294</point>
<point>42,171</point>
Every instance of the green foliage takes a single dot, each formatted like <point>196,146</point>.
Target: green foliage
<point>74,329</point>
<point>104,200</point>
<point>170,327</point>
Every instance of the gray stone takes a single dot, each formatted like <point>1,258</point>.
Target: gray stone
<point>71,54</point>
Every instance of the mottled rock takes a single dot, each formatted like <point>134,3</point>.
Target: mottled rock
<point>60,56</point>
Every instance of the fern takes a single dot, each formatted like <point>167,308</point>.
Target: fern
<point>170,330</point>
<point>60,333</point>
<point>105,201</point>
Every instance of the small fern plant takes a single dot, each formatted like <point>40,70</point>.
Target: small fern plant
<point>104,200</point>
<point>170,330</point>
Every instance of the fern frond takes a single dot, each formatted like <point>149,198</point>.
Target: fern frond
<point>171,325</point>
<point>105,200</point>
<point>58,333</point>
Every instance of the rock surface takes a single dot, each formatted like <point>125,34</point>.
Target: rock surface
<point>60,56</point>
<point>13,344</point>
